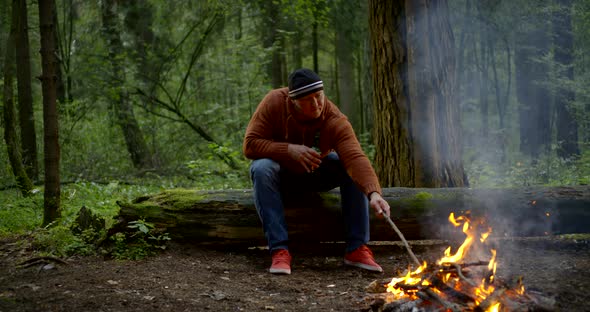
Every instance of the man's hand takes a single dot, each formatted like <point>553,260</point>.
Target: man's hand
<point>306,156</point>
<point>380,205</point>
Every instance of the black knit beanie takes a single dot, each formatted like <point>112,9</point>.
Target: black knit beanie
<point>303,82</point>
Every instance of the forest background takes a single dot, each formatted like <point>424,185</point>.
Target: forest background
<point>154,95</point>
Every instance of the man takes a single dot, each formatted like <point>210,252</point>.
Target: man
<point>299,140</point>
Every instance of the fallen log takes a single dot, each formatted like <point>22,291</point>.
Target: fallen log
<point>315,217</point>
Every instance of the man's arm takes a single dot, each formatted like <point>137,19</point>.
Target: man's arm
<point>258,139</point>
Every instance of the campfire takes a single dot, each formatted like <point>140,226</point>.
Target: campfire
<point>462,280</point>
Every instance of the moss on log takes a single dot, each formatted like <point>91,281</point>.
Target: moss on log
<point>419,213</point>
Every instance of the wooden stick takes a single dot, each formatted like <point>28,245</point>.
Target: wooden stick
<point>36,260</point>
<point>450,291</point>
<point>460,273</point>
<point>401,236</point>
<point>443,302</point>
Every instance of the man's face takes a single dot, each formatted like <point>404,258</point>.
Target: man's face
<point>311,105</point>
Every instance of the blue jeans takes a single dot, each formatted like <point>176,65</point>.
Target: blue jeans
<point>271,181</point>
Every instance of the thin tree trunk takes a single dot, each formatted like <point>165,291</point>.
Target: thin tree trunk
<point>4,22</point>
<point>138,21</point>
<point>25,96</point>
<point>297,54</point>
<point>345,48</point>
<point>270,41</point>
<point>532,95</point>
<point>315,46</point>
<point>60,85</point>
<point>50,117</point>
<point>136,145</point>
<point>482,64</point>
<point>9,115</point>
<point>567,126</point>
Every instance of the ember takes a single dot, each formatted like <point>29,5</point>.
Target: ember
<point>460,281</point>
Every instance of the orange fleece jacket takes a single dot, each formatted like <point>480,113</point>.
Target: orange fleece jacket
<point>275,124</point>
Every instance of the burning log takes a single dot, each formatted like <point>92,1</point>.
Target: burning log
<point>491,300</point>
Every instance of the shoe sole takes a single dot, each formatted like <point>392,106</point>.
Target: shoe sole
<point>280,271</point>
<point>363,266</point>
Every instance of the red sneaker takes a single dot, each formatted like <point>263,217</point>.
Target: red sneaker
<point>362,257</point>
<point>281,262</point>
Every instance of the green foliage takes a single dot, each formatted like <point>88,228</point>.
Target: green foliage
<point>20,214</point>
<point>144,241</point>
<point>59,241</point>
<point>546,171</point>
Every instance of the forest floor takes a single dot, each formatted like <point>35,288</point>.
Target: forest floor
<point>191,277</point>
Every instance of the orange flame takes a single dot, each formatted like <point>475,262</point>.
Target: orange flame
<point>481,291</point>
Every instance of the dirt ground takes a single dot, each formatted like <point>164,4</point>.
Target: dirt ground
<point>190,277</point>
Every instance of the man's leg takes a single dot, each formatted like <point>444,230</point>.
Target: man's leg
<point>269,205</point>
<point>269,202</point>
<point>355,205</point>
<point>355,211</point>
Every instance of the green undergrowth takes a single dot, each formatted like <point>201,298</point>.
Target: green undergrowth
<point>21,218</point>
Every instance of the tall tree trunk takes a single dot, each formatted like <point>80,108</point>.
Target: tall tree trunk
<point>25,96</point>
<point>297,49</point>
<point>270,39</point>
<point>50,116</point>
<point>139,22</point>
<point>437,143</point>
<point>315,45</point>
<point>59,83</point>
<point>533,97</point>
<point>417,120</point>
<point>566,124</point>
<point>4,29</point>
<point>482,64</point>
<point>9,115</point>
<point>136,145</point>
<point>346,46</point>
<point>391,132</point>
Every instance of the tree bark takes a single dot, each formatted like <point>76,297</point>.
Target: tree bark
<point>391,130</point>
<point>316,217</point>
<point>25,94</point>
<point>9,115</point>
<point>435,122</point>
<point>59,83</point>
<point>417,127</point>
<point>50,117</point>
<point>125,117</point>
